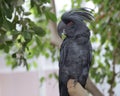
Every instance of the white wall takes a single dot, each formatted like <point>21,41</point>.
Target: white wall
<point>19,84</point>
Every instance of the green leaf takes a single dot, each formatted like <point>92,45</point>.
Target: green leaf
<point>6,49</point>
<point>98,77</point>
<point>39,31</point>
<point>103,38</point>
<point>27,13</point>
<point>47,55</point>
<point>2,46</point>
<point>38,41</point>
<point>9,43</point>
<point>56,76</point>
<point>35,65</point>
<point>14,64</point>
<point>8,10</point>
<point>48,1</point>
<point>63,36</point>
<point>51,16</point>
<point>1,18</point>
<point>42,79</point>
<point>50,75</point>
<point>107,63</point>
<point>97,1</point>
<point>27,35</point>
<point>32,3</point>
<point>19,2</point>
<point>8,25</point>
<point>14,55</point>
<point>36,11</point>
<point>45,1</point>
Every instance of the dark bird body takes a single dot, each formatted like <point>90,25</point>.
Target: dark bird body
<point>76,50</point>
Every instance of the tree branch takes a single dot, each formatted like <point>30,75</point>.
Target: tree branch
<point>55,39</point>
<point>112,81</point>
<point>90,86</point>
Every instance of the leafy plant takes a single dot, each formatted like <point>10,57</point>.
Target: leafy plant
<point>20,36</point>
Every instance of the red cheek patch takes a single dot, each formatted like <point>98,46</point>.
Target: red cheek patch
<point>70,23</point>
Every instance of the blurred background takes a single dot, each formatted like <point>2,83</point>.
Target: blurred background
<point>29,46</point>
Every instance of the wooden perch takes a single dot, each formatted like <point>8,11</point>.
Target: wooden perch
<point>75,89</point>
<point>78,90</point>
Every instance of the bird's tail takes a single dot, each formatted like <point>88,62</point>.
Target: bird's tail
<point>63,90</point>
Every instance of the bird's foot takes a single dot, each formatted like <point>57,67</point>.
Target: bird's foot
<point>75,82</point>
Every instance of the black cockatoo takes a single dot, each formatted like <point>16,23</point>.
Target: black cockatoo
<point>76,50</point>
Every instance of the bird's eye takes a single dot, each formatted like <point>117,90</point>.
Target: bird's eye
<point>69,23</point>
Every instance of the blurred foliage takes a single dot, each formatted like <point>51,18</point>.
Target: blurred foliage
<point>106,38</point>
<point>21,37</point>
<point>107,54</point>
<point>22,31</point>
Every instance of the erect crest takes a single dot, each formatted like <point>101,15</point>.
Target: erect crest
<point>81,14</point>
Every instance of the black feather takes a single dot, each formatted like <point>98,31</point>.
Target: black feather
<point>82,14</point>
<point>76,50</point>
